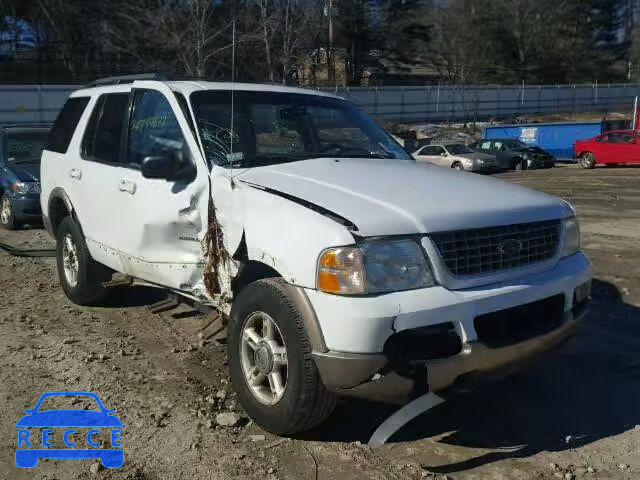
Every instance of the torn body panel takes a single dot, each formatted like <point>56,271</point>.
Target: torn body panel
<point>287,236</point>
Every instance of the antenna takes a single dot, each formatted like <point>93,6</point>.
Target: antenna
<point>233,74</point>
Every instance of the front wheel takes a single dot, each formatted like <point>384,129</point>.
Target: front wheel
<point>519,164</point>
<point>587,160</point>
<point>81,277</point>
<point>270,361</point>
<point>457,166</point>
<point>8,218</point>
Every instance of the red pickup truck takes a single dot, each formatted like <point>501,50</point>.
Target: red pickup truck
<point>609,148</point>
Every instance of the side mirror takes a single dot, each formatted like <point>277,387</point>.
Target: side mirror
<point>160,166</point>
<point>443,154</point>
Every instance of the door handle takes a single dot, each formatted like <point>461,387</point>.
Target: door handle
<point>75,173</point>
<point>128,186</point>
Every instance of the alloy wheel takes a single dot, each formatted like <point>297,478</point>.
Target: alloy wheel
<point>263,357</point>
<point>5,211</point>
<point>70,260</point>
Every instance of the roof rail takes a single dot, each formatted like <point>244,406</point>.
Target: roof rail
<point>117,80</point>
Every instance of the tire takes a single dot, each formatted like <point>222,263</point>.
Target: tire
<point>87,288</point>
<point>304,402</point>
<point>457,166</point>
<point>519,164</point>
<point>8,218</point>
<point>587,160</point>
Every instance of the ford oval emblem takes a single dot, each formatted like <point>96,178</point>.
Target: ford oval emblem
<point>510,247</point>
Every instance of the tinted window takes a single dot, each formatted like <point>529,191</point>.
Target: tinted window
<point>65,124</point>
<point>153,128</point>
<point>458,149</point>
<point>103,136</point>
<point>620,137</point>
<point>24,147</point>
<point>433,150</point>
<point>485,146</point>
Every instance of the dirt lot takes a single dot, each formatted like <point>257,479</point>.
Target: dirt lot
<point>573,415</point>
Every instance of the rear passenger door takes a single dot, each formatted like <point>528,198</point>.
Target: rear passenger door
<point>95,196</point>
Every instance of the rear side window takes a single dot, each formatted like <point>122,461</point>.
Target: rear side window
<point>65,124</point>
<point>103,136</point>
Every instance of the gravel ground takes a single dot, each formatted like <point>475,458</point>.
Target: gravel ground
<point>572,415</point>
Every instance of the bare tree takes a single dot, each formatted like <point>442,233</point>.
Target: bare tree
<point>187,34</point>
<point>267,24</point>
<point>286,25</point>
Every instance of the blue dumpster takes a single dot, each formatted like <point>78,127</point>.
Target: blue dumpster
<point>555,138</point>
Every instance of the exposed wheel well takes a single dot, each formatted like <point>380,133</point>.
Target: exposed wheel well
<point>57,211</point>
<point>251,271</point>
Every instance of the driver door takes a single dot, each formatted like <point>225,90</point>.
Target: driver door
<point>432,154</point>
<point>162,223</point>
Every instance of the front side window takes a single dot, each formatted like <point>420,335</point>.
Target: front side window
<point>274,127</point>
<point>153,128</point>
<point>103,137</point>
<point>24,147</point>
<point>485,146</point>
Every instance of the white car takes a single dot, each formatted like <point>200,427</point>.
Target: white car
<point>458,157</point>
<point>342,265</point>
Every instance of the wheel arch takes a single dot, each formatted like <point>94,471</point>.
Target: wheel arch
<point>59,206</point>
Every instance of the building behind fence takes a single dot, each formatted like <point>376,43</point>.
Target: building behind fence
<point>34,103</point>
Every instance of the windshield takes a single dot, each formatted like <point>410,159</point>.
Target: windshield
<point>24,147</point>
<point>274,127</point>
<point>458,149</point>
<point>69,402</point>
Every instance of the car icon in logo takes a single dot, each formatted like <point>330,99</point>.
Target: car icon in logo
<point>29,452</point>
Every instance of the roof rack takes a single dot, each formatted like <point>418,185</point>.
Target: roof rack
<point>117,80</point>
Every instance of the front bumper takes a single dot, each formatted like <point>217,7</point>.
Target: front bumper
<point>540,163</point>
<point>371,372</point>
<point>26,206</point>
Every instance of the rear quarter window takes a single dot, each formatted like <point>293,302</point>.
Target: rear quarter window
<point>65,124</point>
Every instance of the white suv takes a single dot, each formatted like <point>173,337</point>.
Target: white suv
<point>342,265</point>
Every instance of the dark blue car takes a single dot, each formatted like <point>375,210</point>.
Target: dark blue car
<point>20,152</point>
<point>30,443</point>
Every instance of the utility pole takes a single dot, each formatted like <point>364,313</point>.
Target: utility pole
<point>331,64</point>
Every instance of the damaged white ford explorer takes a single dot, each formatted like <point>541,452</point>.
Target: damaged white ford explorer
<point>340,265</point>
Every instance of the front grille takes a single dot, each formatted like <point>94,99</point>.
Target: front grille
<point>494,249</point>
<point>516,324</point>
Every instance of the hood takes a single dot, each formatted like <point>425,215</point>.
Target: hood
<point>27,172</point>
<point>394,197</point>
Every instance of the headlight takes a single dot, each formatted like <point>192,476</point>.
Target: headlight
<point>374,267</point>
<point>571,231</point>
<point>26,187</point>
